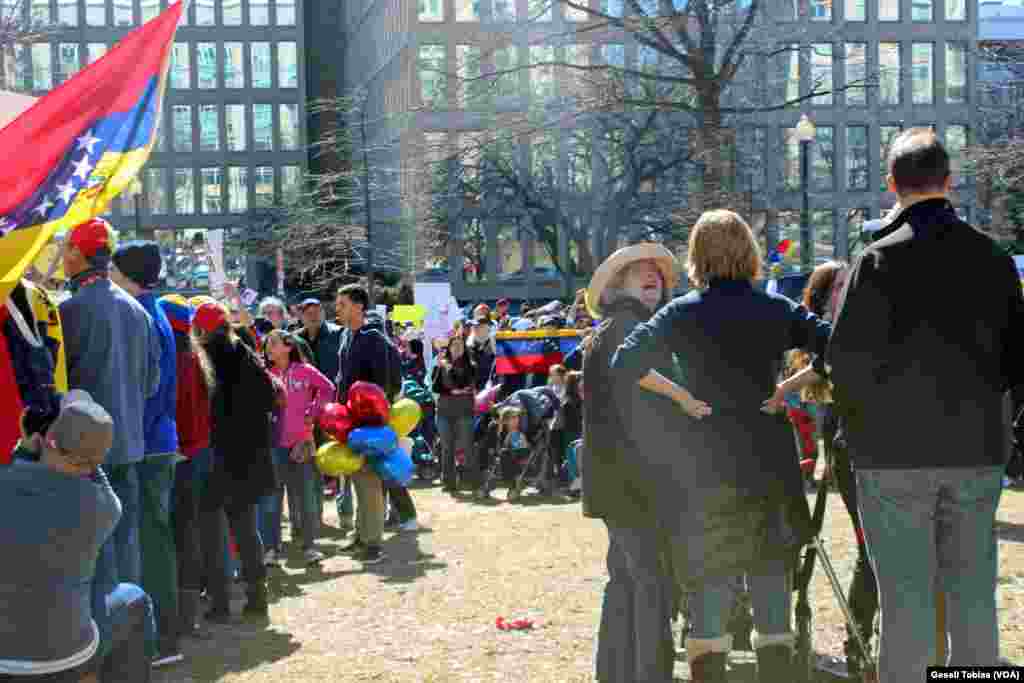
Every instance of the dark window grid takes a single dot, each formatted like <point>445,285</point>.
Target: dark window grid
<point>201,184</point>
<point>841,69</point>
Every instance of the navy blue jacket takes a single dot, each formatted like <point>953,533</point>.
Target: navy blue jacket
<point>160,427</point>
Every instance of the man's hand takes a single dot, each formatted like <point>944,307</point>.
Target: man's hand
<point>693,407</point>
<point>776,403</point>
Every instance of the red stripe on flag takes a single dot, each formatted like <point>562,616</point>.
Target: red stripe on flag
<point>526,364</point>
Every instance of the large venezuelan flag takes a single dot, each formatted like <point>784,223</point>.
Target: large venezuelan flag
<point>81,144</point>
<point>533,351</point>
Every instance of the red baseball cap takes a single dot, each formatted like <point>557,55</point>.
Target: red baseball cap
<point>92,237</point>
<point>210,317</point>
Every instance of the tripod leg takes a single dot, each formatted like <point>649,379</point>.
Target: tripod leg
<point>837,590</point>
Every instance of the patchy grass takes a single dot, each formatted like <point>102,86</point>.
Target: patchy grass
<point>427,614</point>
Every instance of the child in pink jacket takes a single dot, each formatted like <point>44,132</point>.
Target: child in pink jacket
<point>306,392</point>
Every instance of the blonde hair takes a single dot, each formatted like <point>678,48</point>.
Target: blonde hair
<point>722,245</point>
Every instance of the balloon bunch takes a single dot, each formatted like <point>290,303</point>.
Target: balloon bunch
<point>369,430</point>
<point>786,249</point>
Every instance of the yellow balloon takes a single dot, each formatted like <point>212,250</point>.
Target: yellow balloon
<point>405,415</point>
<point>335,459</point>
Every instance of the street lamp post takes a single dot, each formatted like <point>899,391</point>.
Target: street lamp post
<point>805,135</point>
<point>135,190</point>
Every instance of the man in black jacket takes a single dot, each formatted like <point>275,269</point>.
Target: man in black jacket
<point>920,372</point>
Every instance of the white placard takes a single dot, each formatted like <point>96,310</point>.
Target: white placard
<point>436,298</point>
<point>215,256</point>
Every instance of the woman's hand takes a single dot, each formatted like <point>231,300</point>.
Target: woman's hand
<point>693,407</point>
<point>776,403</point>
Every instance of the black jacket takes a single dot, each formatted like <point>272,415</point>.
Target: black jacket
<point>325,347</point>
<point>362,358</point>
<point>483,360</point>
<point>920,360</point>
<point>459,375</point>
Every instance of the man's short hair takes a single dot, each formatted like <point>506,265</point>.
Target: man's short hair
<point>918,162</point>
<point>356,294</point>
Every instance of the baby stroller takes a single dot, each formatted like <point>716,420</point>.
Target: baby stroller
<point>427,466</point>
<point>528,462</point>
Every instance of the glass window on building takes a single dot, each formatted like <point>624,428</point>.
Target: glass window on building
<point>573,14</point>
<point>263,187</point>
<point>231,11</point>
<point>956,10</point>
<point>184,192</point>
<point>212,190</point>
<point>821,10</point>
<point>956,143</point>
<point>291,184</point>
<point>206,66</point>
<point>234,65</point>
<point>503,10</point>
<point>888,74</point>
<point>238,189</point>
<point>161,132</point>
<point>234,127</point>
<point>123,14</point>
<point>16,71</point>
<point>67,12</point>
<point>612,8</point>
<point>155,182</point>
<point>285,11</point>
<point>475,251</point>
<point>42,66</point>
<point>287,65</point>
<point>577,55</point>
<point>67,61</point>
<point>856,74</point>
<point>431,10</point>
<point>855,241</point>
<point>542,72</point>
<point>885,137</point>
<point>467,10</point>
<point>95,13</point>
<point>823,155</point>
<point>181,67</point>
<point>821,73</point>
<point>824,234</point>
<point>790,160</point>
<point>857,157</point>
<point>856,10</point>
<point>209,128</point>
<point>181,124</point>
<point>511,252</point>
<point>40,12</point>
<point>94,51</point>
<point>150,9</point>
<point>544,155</point>
<point>580,157</point>
<point>260,53</point>
<point>922,77</point>
<point>263,127</point>
<point>433,69</point>
<point>921,10</point>
<point>290,133</point>
<point>205,14</point>
<point>540,10</point>
<point>791,60</point>
<point>472,91</point>
<point>888,10</point>
<point>506,66</point>
<point>259,12</point>
<point>956,73</point>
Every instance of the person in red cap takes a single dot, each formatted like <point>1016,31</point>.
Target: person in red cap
<point>114,354</point>
<point>242,396</point>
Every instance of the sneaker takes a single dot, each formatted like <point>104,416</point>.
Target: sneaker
<point>313,556</point>
<point>411,525</point>
<point>356,546</point>
<point>371,554</point>
<point>270,559</point>
<point>162,660</point>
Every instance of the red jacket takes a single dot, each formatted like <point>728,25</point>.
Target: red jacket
<point>193,412</point>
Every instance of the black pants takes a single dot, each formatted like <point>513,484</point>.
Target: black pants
<point>401,501</point>
<point>242,519</point>
<point>863,587</point>
<point>187,532</point>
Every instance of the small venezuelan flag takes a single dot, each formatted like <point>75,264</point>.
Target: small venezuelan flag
<point>81,144</point>
<point>534,351</point>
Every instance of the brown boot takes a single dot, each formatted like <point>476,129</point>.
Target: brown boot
<point>709,668</point>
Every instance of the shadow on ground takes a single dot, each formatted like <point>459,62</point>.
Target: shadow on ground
<point>236,647</point>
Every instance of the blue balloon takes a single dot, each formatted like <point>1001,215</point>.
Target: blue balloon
<point>396,467</point>
<point>373,442</point>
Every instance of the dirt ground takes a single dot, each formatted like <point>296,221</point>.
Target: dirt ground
<point>428,613</point>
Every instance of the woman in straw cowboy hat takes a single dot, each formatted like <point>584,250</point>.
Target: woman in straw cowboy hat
<point>745,508</point>
<point>622,424</point>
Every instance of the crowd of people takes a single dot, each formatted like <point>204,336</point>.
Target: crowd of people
<point>161,437</point>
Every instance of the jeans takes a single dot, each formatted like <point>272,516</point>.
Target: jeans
<point>159,557</point>
<point>134,636</point>
<point>928,529</point>
<point>124,479</point>
<point>345,500</point>
<point>270,508</point>
<point>301,479</point>
<point>634,642</point>
<point>401,502</point>
<point>187,536</point>
<point>770,596</point>
<point>456,433</point>
<point>242,519</point>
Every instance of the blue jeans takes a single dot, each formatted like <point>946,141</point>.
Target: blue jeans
<point>346,508</point>
<point>124,479</point>
<point>926,530</point>
<point>270,507</point>
<point>456,433</point>
<point>770,596</point>
<point>634,642</point>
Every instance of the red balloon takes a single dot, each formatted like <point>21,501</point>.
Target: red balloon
<point>337,422</point>
<point>368,405</point>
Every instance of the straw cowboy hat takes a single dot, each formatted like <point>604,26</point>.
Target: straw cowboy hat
<point>613,265</point>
